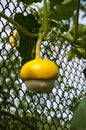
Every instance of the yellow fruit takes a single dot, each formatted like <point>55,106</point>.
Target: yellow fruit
<point>13,38</point>
<point>39,75</point>
<point>39,69</point>
<point>12,41</point>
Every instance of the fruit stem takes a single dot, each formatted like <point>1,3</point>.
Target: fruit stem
<point>42,36</point>
<point>19,27</point>
<point>38,46</point>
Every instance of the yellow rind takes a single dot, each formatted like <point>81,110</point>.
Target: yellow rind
<point>39,69</point>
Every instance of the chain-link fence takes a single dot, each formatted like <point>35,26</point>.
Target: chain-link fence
<point>21,109</point>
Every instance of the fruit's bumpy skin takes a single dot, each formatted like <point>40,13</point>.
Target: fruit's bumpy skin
<point>39,69</point>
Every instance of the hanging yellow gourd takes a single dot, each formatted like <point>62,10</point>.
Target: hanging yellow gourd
<point>39,75</point>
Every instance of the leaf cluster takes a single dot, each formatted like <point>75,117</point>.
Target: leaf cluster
<point>60,9</point>
<point>78,48</point>
<point>59,13</point>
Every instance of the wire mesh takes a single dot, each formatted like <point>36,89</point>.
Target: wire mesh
<point>21,109</point>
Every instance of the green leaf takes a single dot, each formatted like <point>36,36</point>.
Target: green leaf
<point>81,30</point>
<point>81,50</point>
<point>76,51</point>
<point>27,44</point>
<point>28,22</point>
<point>61,11</point>
<point>53,14</point>
<point>65,11</point>
<point>55,2</point>
<point>78,121</point>
<point>26,48</point>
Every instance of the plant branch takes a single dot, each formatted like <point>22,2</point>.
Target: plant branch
<point>76,21</point>
<point>20,28</point>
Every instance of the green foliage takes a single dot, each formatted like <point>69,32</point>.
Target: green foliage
<point>81,30</point>
<point>62,11</point>
<point>79,47</point>
<point>78,121</point>
<point>27,44</point>
<point>58,12</point>
<point>55,2</point>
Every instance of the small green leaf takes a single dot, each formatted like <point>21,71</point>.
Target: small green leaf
<point>81,50</point>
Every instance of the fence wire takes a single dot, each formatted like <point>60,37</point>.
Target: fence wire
<point>21,109</point>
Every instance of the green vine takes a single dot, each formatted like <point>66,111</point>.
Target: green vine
<point>37,55</point>
<point>76,22</point>
<point>42,36</point>
<point>45,20</point>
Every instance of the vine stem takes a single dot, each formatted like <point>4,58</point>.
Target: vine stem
<point>38,46</point>
<point>76,22</point>
<point>45,20</point>
<point>19,27</point>
<point>42,36</point>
